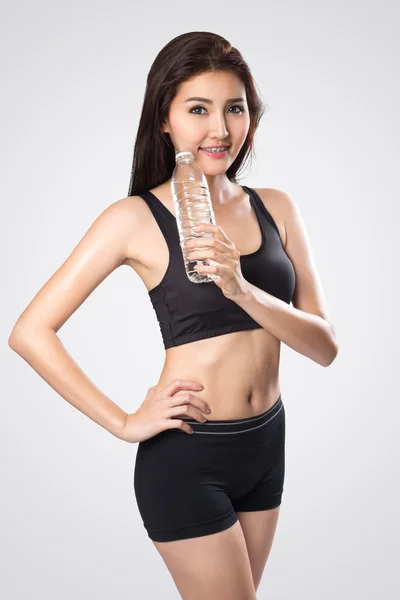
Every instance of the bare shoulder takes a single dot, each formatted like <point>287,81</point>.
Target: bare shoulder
<point>128,210</point>
<point>131,217</point>
<point>101,250</point>
<point>308,295</point>
<point>285,207</point>
<point>275,201</point>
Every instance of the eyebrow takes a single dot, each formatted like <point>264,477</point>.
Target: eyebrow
<point>208,101</point>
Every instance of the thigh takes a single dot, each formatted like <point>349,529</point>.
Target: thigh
<point>211,566</point>
<point>258,510</point>
<point>179,494</point>
<point>258,528</point>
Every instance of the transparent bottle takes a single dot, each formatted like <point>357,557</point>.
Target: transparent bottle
<point>192,203</point>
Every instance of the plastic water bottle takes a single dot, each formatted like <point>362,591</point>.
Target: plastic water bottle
<point>192,203</point>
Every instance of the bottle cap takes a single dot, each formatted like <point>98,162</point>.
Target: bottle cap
<point>183,154</point>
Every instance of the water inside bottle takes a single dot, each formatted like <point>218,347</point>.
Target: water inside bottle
<point>193,206</point>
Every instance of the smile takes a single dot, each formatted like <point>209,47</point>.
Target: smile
<point>215,152</point>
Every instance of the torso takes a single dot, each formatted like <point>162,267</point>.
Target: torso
<point>240,370</point>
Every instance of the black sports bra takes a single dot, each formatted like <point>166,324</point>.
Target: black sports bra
<point>188,311</point>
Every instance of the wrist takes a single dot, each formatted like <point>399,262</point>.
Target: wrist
<point>243,296</point>
<point>118,426</point>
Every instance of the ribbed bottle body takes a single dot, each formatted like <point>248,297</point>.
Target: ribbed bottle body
<point>192,203</point>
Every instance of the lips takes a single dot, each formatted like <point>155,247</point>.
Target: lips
<point>209,147</point>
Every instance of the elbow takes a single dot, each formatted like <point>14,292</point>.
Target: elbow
<point>330,357</point>
<point>16,338</point>
<point>331,349</point>
<point>21,335</point>
<point>12,338</point>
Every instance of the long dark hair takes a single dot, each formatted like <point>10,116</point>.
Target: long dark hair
<point>184,57</point>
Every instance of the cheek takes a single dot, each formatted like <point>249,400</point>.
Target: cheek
<point>242,128</point>
<point>186,128</point>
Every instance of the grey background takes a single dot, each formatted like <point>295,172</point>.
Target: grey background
<point>73,78</point>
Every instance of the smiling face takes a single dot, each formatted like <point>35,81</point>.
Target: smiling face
<point>221,117</point>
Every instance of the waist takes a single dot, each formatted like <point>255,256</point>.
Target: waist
<point>240,373</point>
<point>241,425</point>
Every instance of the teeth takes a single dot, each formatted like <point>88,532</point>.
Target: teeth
<point>216,149</point>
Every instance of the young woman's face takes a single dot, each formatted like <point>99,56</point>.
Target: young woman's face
<point>220,118</point>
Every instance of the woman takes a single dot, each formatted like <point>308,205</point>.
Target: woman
<point>209,501</point>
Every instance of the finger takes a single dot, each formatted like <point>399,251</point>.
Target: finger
<point>178,424</point>
<point>187,411</point>
<point>205,243</point>
<point>180,399</point>
<point>211,228</point>
<point>181,384</point>
<point>212,269</point>
<point>211,253</point>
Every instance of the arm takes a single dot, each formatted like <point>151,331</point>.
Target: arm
<point>305,326</point>
<point>99,252</point>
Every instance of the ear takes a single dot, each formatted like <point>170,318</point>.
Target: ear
<point>165,126</point>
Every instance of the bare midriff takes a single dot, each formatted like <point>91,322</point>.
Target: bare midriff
<point>239,372</point>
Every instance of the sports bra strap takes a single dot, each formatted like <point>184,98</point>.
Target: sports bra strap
<point>261,208</point>
<point>165,219</point>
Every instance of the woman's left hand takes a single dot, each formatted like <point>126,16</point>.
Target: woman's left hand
<point>223,251</point>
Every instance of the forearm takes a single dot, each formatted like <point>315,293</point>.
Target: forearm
<point>306,333</point>
<point>42,349</point>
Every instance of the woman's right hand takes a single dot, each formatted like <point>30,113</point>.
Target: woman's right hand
<point>158,409</point>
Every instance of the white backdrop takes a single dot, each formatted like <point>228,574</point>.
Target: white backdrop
<point>73,78</point>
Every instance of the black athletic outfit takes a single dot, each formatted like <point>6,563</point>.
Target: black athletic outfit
<point>191,485</point>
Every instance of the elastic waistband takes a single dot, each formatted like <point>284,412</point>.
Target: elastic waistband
<point>227,426</point>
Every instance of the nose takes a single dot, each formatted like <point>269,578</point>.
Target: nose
<point>218,128</point>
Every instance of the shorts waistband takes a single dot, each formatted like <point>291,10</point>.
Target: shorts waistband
<point>228,426</point>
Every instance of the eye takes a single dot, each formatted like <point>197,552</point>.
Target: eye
<point>241,109</point>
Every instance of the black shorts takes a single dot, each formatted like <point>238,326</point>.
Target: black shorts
<point>191,485</point>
